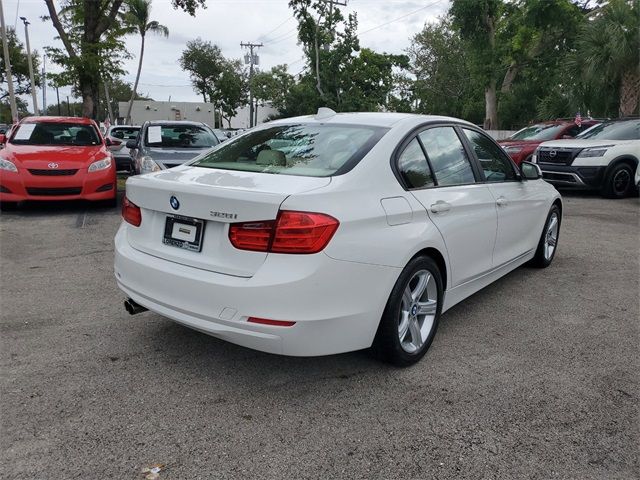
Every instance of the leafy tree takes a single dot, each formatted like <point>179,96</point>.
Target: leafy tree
<point>273,86</point>
<point>219,80</point>
<point>607,50</point>
<point>440,63</point>
<point>19,67</point>
<point>91,32</point>
<point>138,15</point>
<point>5,110</point>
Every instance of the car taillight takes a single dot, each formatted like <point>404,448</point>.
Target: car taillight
<point>291,232</point>
<point>131,212</point>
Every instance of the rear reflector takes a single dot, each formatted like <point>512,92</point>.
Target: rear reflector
<point>291,232</point>
<point>131,212</point>
<point>276,323</point>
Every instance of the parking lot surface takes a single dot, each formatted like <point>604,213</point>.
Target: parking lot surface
<point>536,376</point>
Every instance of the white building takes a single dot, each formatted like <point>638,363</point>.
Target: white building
<point>147,110</point>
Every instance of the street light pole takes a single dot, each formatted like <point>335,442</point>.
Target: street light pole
<point>7,66</point>
<point>44,84</point>
<point>34,96</point>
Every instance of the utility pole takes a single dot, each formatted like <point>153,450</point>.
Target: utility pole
<point>252,60</point>
<point>44,84</point>
<point>58,99</point>
<point>7,66</point>
<point>34,95</point>
<point>108,99</point>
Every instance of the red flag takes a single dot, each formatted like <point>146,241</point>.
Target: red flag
<point>578,119</point>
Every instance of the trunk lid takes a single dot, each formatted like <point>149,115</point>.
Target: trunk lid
<point>218,197</point>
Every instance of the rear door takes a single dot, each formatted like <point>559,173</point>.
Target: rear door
<point>438,172</point>
<point>519,203</point>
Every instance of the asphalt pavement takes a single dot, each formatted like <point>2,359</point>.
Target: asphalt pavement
<point>536,376</point>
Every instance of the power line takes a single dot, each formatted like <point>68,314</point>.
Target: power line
<point>281,24</point>
<point>400,18</point>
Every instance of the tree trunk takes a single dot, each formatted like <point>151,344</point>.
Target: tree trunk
<point>89,88</point>
<point>509,77</point>
<point>491,106</point>
<point>127,119</point>
<point>629,93</point>
<point>318,84</point>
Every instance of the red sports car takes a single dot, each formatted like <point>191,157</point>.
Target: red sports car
<point>521,145</point>
<point>56,158</point>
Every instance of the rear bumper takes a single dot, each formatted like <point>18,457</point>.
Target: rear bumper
<point>336,305</point>
<point>21,186</point>
<point>568,176</point>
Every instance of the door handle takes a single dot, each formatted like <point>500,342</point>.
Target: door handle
<point>440,207</point>
<point>502,202</point>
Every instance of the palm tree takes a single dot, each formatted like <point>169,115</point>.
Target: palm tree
<point>608,50</point>
<point>138,13</point>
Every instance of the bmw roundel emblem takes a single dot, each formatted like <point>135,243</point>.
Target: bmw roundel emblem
<point>414,310</point>
<point>175,204</point>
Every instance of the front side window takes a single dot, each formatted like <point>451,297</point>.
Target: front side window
<point>305,150</point>
<point>54,133</point>
<point>495,164</point>
<point>179,136</point>
<point>413,166</point>
<point>447,156</point>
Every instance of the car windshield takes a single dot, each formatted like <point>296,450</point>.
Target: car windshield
<point>55,133</point>
<point>180,136</point>
<point>303,150</point>
<point>629,130</point>
<point>125,133</point>
<point>542,131</point>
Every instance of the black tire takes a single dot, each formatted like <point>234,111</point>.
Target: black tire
<point>8,206</point>
<point>541,258</point>
<point>387,345</point>
<point>619,182</point>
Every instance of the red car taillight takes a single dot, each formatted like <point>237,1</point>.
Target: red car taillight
<point>131,212</point>
<point>291,232</point>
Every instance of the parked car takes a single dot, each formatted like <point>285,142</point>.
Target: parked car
<point>57,158</point>
<point>166,144</point>
<point>330,233</point>
<point>221,135</point>
<point>119,135</point>
<point>521,145</point>
<point>602,158</point>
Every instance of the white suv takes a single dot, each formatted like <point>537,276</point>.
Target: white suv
<point>604,157</point>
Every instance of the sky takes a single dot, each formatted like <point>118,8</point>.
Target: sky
<point>383,25</point>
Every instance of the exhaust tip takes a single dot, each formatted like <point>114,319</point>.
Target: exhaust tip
<point>132,307</point>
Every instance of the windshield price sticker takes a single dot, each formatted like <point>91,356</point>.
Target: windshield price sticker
<point>25,131</point>
<point>155,134</point>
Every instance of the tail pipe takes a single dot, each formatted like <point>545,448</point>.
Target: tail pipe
<point>132,307</point>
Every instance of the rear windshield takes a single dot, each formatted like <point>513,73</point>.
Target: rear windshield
<point>629,130</point>
<point>543,131</point>
<point>125,133</point>
<point>55,134</point>
<point>180,136</point>
<point>308,150</point>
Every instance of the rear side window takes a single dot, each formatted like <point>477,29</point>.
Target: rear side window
<point>413,166</point>
<point>448,159</point>
<point>312,150</point>
<point>494,162</point>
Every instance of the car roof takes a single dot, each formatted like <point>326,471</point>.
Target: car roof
<point>375,119</point>
<point>123,126</point>
<point>46,119</point>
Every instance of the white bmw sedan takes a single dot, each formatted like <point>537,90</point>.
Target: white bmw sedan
<point>330,233</point>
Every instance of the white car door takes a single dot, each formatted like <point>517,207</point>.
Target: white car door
<point>519,203</point>
<point>437,171</point>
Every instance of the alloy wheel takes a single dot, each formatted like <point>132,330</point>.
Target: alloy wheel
<point>417,311</point>
<point>551,237</point>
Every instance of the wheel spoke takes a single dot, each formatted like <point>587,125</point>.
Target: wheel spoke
<point>423,281</point>
<point>416,334</point>
<point>403,327</point>
<point>427,308</point>
<point>552,241</point>
<point>553,223</point>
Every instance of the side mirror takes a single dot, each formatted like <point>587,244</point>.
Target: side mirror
<point>530,171</point>
<point>107,142</point>
<point>131,144</point>
<point>3,138</point>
